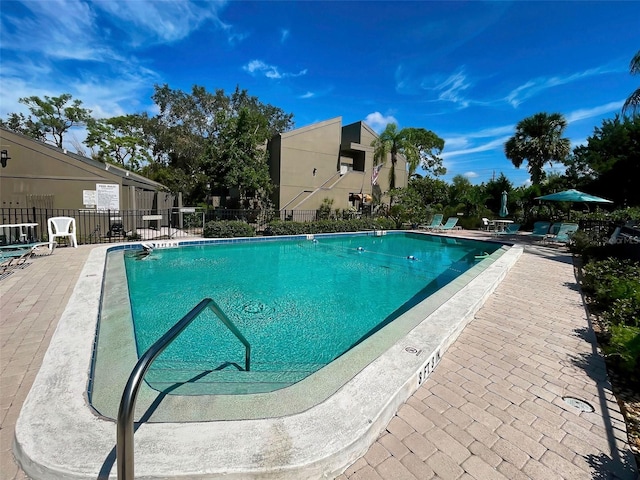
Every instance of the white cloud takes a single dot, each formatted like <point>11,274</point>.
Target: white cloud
<point>167,21</point>
<point>269,71</point>
<point>57,29</point>
<point>540,84</point>
<point>491,145</point>
<point>583,113</point>
<point>451,89</point>
<point>307,95</point>
<point>284,35</point>
<point>470,175</point>
<point>378,121</point>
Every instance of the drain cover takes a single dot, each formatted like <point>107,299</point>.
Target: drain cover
<point>254,308</point>
<point>579,404</point>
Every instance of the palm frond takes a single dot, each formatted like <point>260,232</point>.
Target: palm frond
<point>632,105</point>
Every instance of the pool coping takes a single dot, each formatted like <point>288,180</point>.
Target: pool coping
<point>58,436</point>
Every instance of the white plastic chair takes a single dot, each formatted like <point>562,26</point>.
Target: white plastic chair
<point>62,227</point>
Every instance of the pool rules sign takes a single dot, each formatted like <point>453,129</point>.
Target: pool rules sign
<point>107,196</point>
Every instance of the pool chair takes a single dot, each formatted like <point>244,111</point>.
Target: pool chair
<point>436,222</point>
<point>510,229</point>
<point>10,259</point>
<point>451,223</point>
<point>564,233</point>
<point>62,227</point>
<point>540,230</point>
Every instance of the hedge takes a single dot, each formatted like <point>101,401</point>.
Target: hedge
<point>279,227</point>
<point>227,229</point>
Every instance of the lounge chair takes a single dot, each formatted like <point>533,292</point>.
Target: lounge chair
<point>564,233</point>
<point>510,229</point>
<point>62,227</point>
<point>10,259</point>
<point>449,225</point>
<point>436,222</point>
<point>540,230</point>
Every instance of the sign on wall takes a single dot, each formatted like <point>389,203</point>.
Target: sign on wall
<point>89,198</point>
<point>107,196</point>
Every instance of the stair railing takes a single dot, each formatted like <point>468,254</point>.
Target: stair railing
<point>125,429</point>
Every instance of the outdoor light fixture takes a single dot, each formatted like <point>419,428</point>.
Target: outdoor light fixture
<point>4,156</point>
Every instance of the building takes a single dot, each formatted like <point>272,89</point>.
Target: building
<point>39,175</point>
<point>329,161</point>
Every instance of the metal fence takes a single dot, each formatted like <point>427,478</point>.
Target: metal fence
<point>108,226</point>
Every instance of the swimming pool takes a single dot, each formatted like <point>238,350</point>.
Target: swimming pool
<point>312,429</point>
<point>301,303</point>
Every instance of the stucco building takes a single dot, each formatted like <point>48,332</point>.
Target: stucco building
<point>328,160</point>
<point>40,175</point>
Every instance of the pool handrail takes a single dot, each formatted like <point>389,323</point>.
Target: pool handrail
<point>125,430</point>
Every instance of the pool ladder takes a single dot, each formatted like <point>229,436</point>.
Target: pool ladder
<point>125,430</point>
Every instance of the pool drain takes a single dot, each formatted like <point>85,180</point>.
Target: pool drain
<point>579,404</point>
<point>254,308</point>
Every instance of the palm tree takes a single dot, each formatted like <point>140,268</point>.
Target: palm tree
<point>393,141</point>
<point>538,139</point>
<point>633,102</point>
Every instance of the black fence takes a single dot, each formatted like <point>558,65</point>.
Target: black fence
<point>108,226</point>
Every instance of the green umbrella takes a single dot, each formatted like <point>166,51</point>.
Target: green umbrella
<point>573,196</point>
<point>503,205</point>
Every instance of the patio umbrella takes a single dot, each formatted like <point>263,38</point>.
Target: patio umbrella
<point>503,205</point>
<point>573,195</point>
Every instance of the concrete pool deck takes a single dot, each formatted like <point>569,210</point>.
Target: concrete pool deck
<point>501,415</point>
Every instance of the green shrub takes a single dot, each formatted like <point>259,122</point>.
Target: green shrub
<point>623,311</point>
<point>279,227</point>
<point>624,345</point>
<point>227,229</point>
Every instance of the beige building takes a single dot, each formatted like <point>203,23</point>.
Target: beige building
<point>38,175</point>
<point>328,160</point>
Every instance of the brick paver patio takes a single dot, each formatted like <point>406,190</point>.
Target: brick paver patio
<point>492,409</point>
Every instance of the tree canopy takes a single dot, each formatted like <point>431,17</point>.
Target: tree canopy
<point>120,140</point>
<point>420,147</point>
<point>612,155</point>
<point>538,140</point>
<point>50,117</point>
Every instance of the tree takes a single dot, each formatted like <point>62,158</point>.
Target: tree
<point>494,189</point>
<point>17,122</point>
<point>52,116</point>
<point>120,140</point>
<point>417,145</point>
<point>611,155</point>
<point>429,147</point>
<point>633,102</point>
<point>240,159</point>
<point>538,139</point>
<point>216,141</point>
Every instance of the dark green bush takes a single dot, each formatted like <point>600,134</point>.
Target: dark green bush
<point>624,311</point>
<point>279,227</point>
<point>610,279</point>
<point>227,229</point>
<point>624,347</point>
<point>613,286</point>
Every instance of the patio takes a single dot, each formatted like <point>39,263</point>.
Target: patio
<point>493,408</point>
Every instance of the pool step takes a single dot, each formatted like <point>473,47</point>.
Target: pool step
<point>230,380</point>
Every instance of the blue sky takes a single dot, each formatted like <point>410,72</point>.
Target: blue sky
<point>469,71</point>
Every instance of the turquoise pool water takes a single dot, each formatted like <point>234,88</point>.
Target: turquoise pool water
<point>300,303</point>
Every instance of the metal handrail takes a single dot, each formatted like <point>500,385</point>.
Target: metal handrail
<point>124,438</point>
